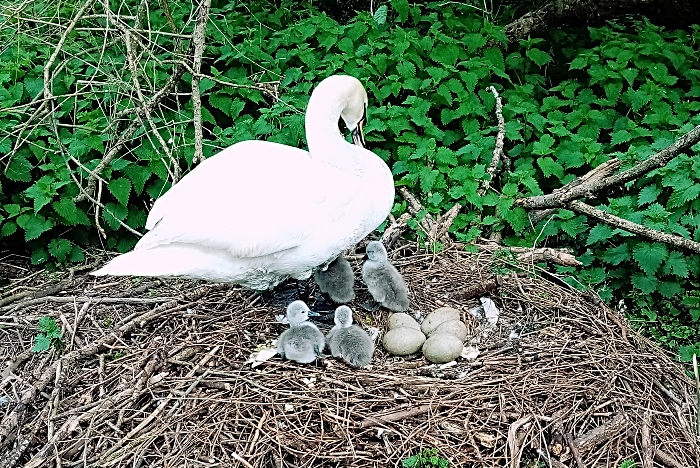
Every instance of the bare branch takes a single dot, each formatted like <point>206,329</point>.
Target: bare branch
<point>498,150</point>
<point>600,178</point>
<point>533,255</point>
<point>653,234</point>
<point>394,230</point>
<point>198,40</point>
<point>131,60</point>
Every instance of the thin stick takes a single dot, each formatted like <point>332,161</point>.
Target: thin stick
<point>697,393</point>
<point>498,150</point>
<point>635,228</point>
<point>198,39</point>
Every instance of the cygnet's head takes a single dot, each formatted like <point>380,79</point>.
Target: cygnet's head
<point>297,312</point>
<point>376,251</point>
<point>343,316</point>
<point>351,99</point>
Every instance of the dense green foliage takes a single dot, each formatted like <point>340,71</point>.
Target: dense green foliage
<point>571,101</point>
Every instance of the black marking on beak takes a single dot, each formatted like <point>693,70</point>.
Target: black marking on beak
<point>358,134</point>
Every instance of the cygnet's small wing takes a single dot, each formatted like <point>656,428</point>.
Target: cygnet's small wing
<point>353,345</point>
<point>338,281</point>
<point>303,343</point>
<point>386,285</point>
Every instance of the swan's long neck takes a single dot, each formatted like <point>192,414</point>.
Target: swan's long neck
<point>323,136</point>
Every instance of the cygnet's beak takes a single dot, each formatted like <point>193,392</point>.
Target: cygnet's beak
<point>311,313</point>
<point>358,134</point>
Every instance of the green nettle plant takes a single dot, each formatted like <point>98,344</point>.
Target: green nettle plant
<point>82,167</point>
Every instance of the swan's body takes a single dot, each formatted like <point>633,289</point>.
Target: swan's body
<point>302,342</point>
<point>349,342</point>
<point>259,212</point>
<point>337,280</point>
<point>384,282</point>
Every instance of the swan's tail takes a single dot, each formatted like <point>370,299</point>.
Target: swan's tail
<point>173,261</point>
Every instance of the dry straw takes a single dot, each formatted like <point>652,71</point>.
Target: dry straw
<point>141,383</point>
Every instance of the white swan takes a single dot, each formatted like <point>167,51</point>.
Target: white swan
<point>258,212</point>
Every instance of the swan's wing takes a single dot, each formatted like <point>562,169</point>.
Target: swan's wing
<point>253,199</point>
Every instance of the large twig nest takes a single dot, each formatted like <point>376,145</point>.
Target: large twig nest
<point>146,384</point>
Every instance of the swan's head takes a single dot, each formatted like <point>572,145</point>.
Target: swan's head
<point>343,316</point>
<point>347,95</point>
<point>297,312</point>
<point>376,251</point>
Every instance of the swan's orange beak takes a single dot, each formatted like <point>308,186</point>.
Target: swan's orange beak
<point>358,135</point>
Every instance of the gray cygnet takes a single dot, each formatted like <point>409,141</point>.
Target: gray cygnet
<point>349,342</point>
<point>337,280</point>
<point>303,342</point>
<point>384,282</point>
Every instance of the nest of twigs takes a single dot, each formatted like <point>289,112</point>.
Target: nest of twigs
<point>154,373</point>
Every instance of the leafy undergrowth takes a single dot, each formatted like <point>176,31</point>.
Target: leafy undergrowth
<point>571,101</point>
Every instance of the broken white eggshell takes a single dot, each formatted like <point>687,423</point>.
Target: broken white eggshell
<point>470,353</point>
<point>261,356</point>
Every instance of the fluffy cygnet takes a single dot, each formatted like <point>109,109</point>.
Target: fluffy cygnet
<point>348,341</point>
<point>383,280</point>
<point>337,280</point>
<point>303,342</point>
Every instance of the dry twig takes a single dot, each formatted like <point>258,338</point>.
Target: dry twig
<point>198,40</point>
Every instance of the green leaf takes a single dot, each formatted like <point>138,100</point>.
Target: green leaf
<point>621,136</point>
<point>617,255</point>
<point>380,15</point>
<point>138,175</point>
<point>599,233</point>
<point>222,102</point>
<point>114,213</point>
<point>19,169</point>
<point>41,343</point>
<point>41,192</point>
<point>685,353</point>
<point>648,194</point>
<point>70,213</point>
<point>646,284</point>
<point>406,69</point>
<point>676,264</point>
<point>544,146</point>
<point>60,248</point>
<point>550,167</point>
<point>47,324</point>
<point>650,256</point>
<point>401,7</point>
<point>34,225</point>
<point>121,189</point>
<point>427,178</point>
<point>539,57</point>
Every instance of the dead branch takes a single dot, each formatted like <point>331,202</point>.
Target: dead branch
<point>198,40</point>
<point>435,230</point>
<point>481,289</point>
<point>82,299</point>
<point>600,434</point>
<point>647,449</point>
<point>395,229</point>
<point>396,416</point>
<point>498,150</point>
<point>533,255</point>
<point>599,178</point>
<point>131,61</point>
<point>635,228</point>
